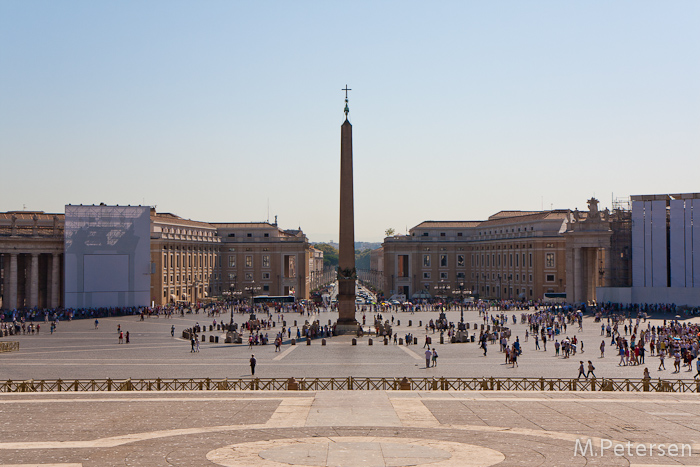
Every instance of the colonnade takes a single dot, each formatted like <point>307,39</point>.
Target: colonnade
<point>31,279</point>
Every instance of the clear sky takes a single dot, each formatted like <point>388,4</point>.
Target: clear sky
<point>214,110</point>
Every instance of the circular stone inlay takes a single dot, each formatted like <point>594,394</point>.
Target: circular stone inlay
<point>346,451</point>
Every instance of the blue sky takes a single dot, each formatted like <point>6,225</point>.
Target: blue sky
<point>459,109</point>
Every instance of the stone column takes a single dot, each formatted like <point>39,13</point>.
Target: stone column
<point>34,282</point>
<point>55,280</point>
<point>607,282</point>
<point>12,303</point>
<point>578,276</point>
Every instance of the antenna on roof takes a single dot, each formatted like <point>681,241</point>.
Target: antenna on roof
<point>268,210</point>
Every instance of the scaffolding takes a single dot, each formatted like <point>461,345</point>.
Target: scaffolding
<point>620,274</point>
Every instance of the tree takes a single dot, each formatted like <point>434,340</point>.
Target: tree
<point>330,255</point>
<point>362,259</point>
<point>389,232</point>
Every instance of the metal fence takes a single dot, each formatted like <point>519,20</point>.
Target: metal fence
<point>9,346</point>
<point>354,383</point>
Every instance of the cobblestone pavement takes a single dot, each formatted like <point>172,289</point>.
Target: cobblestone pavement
<point>343,428</point>
<point>77,350</point>
<point>335,428</point>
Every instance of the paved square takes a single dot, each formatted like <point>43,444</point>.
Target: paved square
<point>341,428</point>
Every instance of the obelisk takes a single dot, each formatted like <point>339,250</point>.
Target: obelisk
<point>346,255</point>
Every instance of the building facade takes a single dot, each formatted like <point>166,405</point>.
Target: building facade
<point>513,255</point>
<point>190,261</point>
<point>31,259</point>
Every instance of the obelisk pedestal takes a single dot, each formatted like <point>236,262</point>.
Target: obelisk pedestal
<point>347,275</point>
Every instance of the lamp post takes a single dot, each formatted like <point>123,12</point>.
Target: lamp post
<point>510,277</point>
<point>252,289</point>
<point>442,289</point>
<point>499,290</point>
<point>232,293</point>
<point>460,292</point>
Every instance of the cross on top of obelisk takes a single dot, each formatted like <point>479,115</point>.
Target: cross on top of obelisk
<point>347,108</point>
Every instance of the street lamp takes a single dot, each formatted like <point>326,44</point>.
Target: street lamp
<point>232,293</point>
<point>442,289</point>
<point>252,289</point>
<point>499,288</point>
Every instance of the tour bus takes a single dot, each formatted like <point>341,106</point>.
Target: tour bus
<point>554,297</point>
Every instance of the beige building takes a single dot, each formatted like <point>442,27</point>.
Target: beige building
<point>263,259</point>
<point>186,256</point>
<point>31,259</point>
<point>512,255</point>
<point>190,260</point>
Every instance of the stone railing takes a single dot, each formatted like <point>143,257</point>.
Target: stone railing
<point>354,383</point>
<point>9,346</point>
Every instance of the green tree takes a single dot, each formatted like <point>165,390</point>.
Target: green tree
<point>362,259</point>
<point>330,255</point>
<point>389,232</point>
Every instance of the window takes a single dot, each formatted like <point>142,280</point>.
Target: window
<point>248,261</point>
<point>403,266</point>
<point>530,259</point>
<point>425,234</point>
<point>443,261</point>
<point>460,260</point>
<point>443,275</point>
<point>249,276</point>
<point>266,275</point>
<point>460,275</point>
<point>530,278</point>
<point>550,278</point>
<point>266,261</point>
<point>165,279</point>
<point>499,260</point>
<point>165,260</point>
<point>249,235</point>
<point>426,275</point>
<point>426,248</point>
<point>510,260</point>
<point>266,235</point>
<point>232,261</point>
<point>231,249</point>
<point>232,276</point>
<point>232,235</point>
<point>442,234</point>
<point>266,288</point>
<point>549,260</point>
<point>426,261</point>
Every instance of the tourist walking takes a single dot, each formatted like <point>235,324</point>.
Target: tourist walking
<point>428,356</point>
<point>591,369</point>
<point>435,356</point>
<point>602,348</point>
<point>581,371</point>
<point>661,360</point>
<point>252,364</point>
